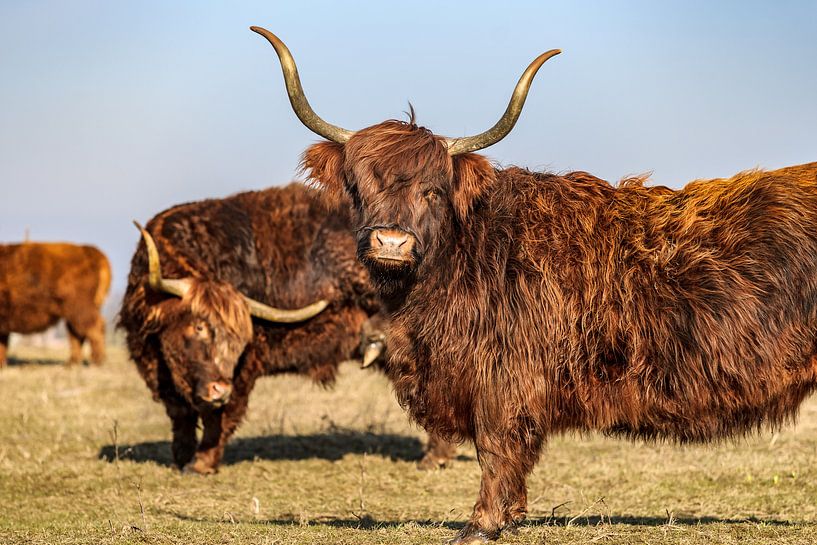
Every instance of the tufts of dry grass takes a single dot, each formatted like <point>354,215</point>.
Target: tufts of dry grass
<point>84,458</point>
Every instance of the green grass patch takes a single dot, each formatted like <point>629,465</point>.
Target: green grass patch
<point>85,458</point>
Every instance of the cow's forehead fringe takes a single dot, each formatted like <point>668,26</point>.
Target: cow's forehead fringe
<point>220,303</point>
<point>397,148</point>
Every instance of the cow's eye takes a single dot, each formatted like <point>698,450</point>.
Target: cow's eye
<point>200,328</point>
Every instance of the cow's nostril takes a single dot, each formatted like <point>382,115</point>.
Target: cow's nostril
<point>405,239</point>
<point>218,391</point>
<point>377,236</point>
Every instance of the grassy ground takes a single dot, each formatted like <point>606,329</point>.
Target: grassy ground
<point>84,458</point>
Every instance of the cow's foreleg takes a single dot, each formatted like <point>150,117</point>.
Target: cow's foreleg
<point>506,460</point>
<point>438,453</point>
<point>4,344</point>
<point>184,419</point>
<point>219,426</point>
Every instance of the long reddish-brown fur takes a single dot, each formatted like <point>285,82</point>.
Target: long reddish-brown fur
<point>41,283</point>
<point>281,246</point>
<point>537,303</point>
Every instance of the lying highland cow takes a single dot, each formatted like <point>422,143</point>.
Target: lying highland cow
<point>524,304</point>
<point>41,283</point>
<point>189,320</point>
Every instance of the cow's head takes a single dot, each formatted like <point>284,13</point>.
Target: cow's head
<point>410,188</point>
<point>204,329</point>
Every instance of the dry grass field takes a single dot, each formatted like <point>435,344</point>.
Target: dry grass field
<point>84,458</point>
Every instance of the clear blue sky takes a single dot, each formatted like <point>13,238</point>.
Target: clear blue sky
<point>112,111</point>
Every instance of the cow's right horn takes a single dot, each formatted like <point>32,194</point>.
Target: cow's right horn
<point>296,93</point>
<point>180,287</point>
<point>177,287</point>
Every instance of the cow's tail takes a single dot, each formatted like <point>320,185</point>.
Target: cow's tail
<point>104,282</point>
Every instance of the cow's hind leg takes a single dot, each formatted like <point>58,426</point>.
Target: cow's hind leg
<point>505,460</point>
<point>4,345</point>
<point>75,340</point>
<point>438,453</point>
<point>183,419</point>
<point>96,337</point>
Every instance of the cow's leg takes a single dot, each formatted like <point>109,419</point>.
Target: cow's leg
<point>505,460</point>
<point>75,340</point>
<point>219,426</point>
<point>183,419</point>
<point>96,337</point>
<point>4,345</point>
<point>438,453</point>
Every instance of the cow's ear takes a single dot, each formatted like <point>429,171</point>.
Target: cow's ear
<point>473,175</point>
<point>154,320</point>
<point>323,165</point>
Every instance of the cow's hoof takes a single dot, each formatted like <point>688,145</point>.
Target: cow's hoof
<point>430,463</point>
<point>472,536</point>
<point>197,467</point>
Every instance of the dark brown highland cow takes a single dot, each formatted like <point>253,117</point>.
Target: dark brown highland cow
<point>188,320</point>
<point>524,304</point>
<point>41,283</point>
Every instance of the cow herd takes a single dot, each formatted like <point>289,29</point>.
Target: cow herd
<point>504,305</point>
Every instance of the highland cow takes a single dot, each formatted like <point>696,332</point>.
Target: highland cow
<point>524,304</point>
<point>198,279</point>
<point>42,283</point>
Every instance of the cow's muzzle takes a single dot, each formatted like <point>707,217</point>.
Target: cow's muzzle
<point>216,393</point>
<point>391,246</point>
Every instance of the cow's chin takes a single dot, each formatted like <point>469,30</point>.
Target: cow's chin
<point>391,276</point>
<point>205,405</point>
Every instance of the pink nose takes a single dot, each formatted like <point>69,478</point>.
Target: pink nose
<point>391,244</point>
<point>218,391</point>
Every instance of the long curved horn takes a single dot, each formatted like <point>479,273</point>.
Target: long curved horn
<point>272,314</point>
<point>296,93</point>
<point>502,127</point>
<point>177,287</point>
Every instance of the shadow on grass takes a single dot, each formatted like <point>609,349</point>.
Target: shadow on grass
<point>16,361</point>
<point>332,446</point>
<point>634,520</point>
<point>366,522</point>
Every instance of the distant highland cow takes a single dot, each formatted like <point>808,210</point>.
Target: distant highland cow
<point>524,304</point>
<point>41,283</point>
<point>199,326</point>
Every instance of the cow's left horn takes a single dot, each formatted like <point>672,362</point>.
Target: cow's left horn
<point>502,127</point>
<point>296,93</point>
<point>272,314</point>
<point>177,287</point>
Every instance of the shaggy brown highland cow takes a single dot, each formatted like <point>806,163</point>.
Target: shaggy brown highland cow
<point>524,304</point>
<point>41,283</point>
<point>188,318</point>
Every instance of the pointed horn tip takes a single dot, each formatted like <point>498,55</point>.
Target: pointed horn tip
<point>138,225</point>
<point>371,354</point>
